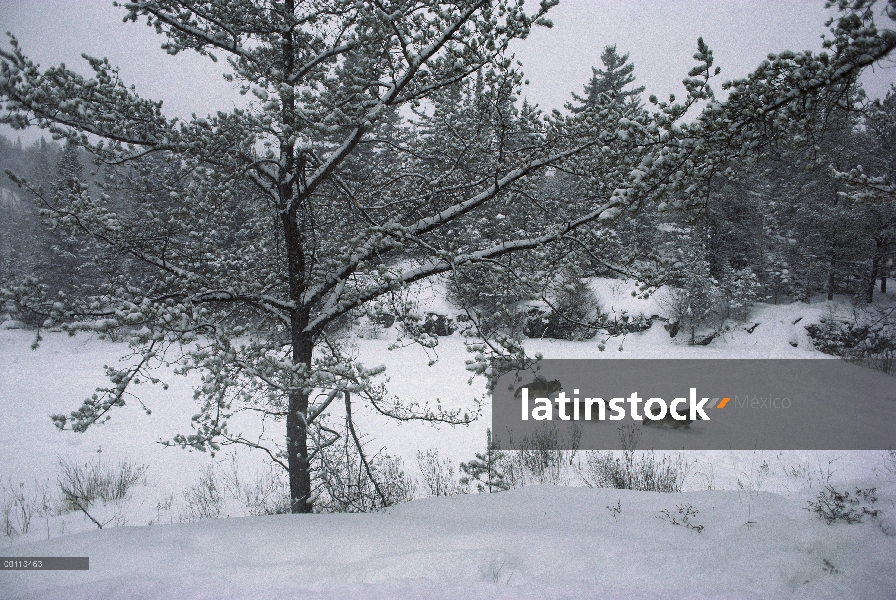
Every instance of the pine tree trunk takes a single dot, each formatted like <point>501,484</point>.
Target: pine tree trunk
<point>298,459</point>
<point>831,276</point>
<point>296,425</point>
<point>875,269</point>
<point>302,351</point>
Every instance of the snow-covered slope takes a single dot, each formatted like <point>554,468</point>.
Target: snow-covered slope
<point>536,542</point>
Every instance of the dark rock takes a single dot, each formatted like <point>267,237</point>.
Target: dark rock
<point>384,319</point>
<point>672,328</point>
<point>439,325</point>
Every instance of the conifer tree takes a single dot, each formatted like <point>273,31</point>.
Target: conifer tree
<point>69,171</point>
<point>485,469</point>
<point>298,212</point>
<point>612,80</point>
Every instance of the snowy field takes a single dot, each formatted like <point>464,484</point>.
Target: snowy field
<point>740,529</point>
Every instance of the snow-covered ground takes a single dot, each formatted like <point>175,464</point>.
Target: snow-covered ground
<point>535,542</point>
<point>757,539</point>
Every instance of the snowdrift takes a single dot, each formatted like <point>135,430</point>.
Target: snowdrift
<point>536,542</point>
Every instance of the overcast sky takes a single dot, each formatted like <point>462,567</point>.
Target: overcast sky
<point>660,36</point>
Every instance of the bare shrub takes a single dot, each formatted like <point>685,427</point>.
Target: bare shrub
<point>266,493</point>
<point>887,466</point>
<point>21,504</point>
<point>542,454</point>
<point>832,505</point>
<point>205,499</point>
<point>547,451</point>
<point>346,480</point>
<point>165,505</point>
<point>223,489</point>
<point>630,471</point>
<point>684,517</point>
<point>511,465</point>
<point>542,458</point>
<point>84,484</point>
<point>397,487</point>
<point>808,474</point>
<point>437,476</point>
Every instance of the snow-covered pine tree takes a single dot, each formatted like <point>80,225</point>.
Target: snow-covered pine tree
<point>621,247</point>
<point>612,80</point>
<point>69,171</point>
<point>694,300</point>
<point>485,469</point>
<point>872,185</point>
<point>20,229</point>
<point>59,263</point>
<point>291,214</point>
<point>275,232</point>
<point>740,288</point>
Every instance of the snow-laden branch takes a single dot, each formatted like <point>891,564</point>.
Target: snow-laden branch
<point>388,98</point>
<point>443,265</point>
<point>60,98</point>
<point>395,229</point>
<point>180,23</point>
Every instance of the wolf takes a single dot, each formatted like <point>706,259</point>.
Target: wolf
<point>669,420</point>
<point>540,388</point>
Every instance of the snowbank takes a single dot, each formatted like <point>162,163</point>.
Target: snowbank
<point>537,542</point>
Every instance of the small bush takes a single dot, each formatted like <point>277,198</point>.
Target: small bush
<point>684,517</point>
<point>396,485</point>
<point>430,324</point>
<point>543,454</point>
<point>544,458</point>
<point>625,324</point>
<point>266,493</point>
<point>205,500</point>
<point>437,477</point>
<point>836,337</point>
<point>832,505</point>
<point>440,325</point>
<point>574,314</point>
<point>868,338</point>
<point>84,484</point>
<point>343,483</point>
<point>630,472</point>
<point>223,489</point>
<point>21,504</point>
<point>540,458</point>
